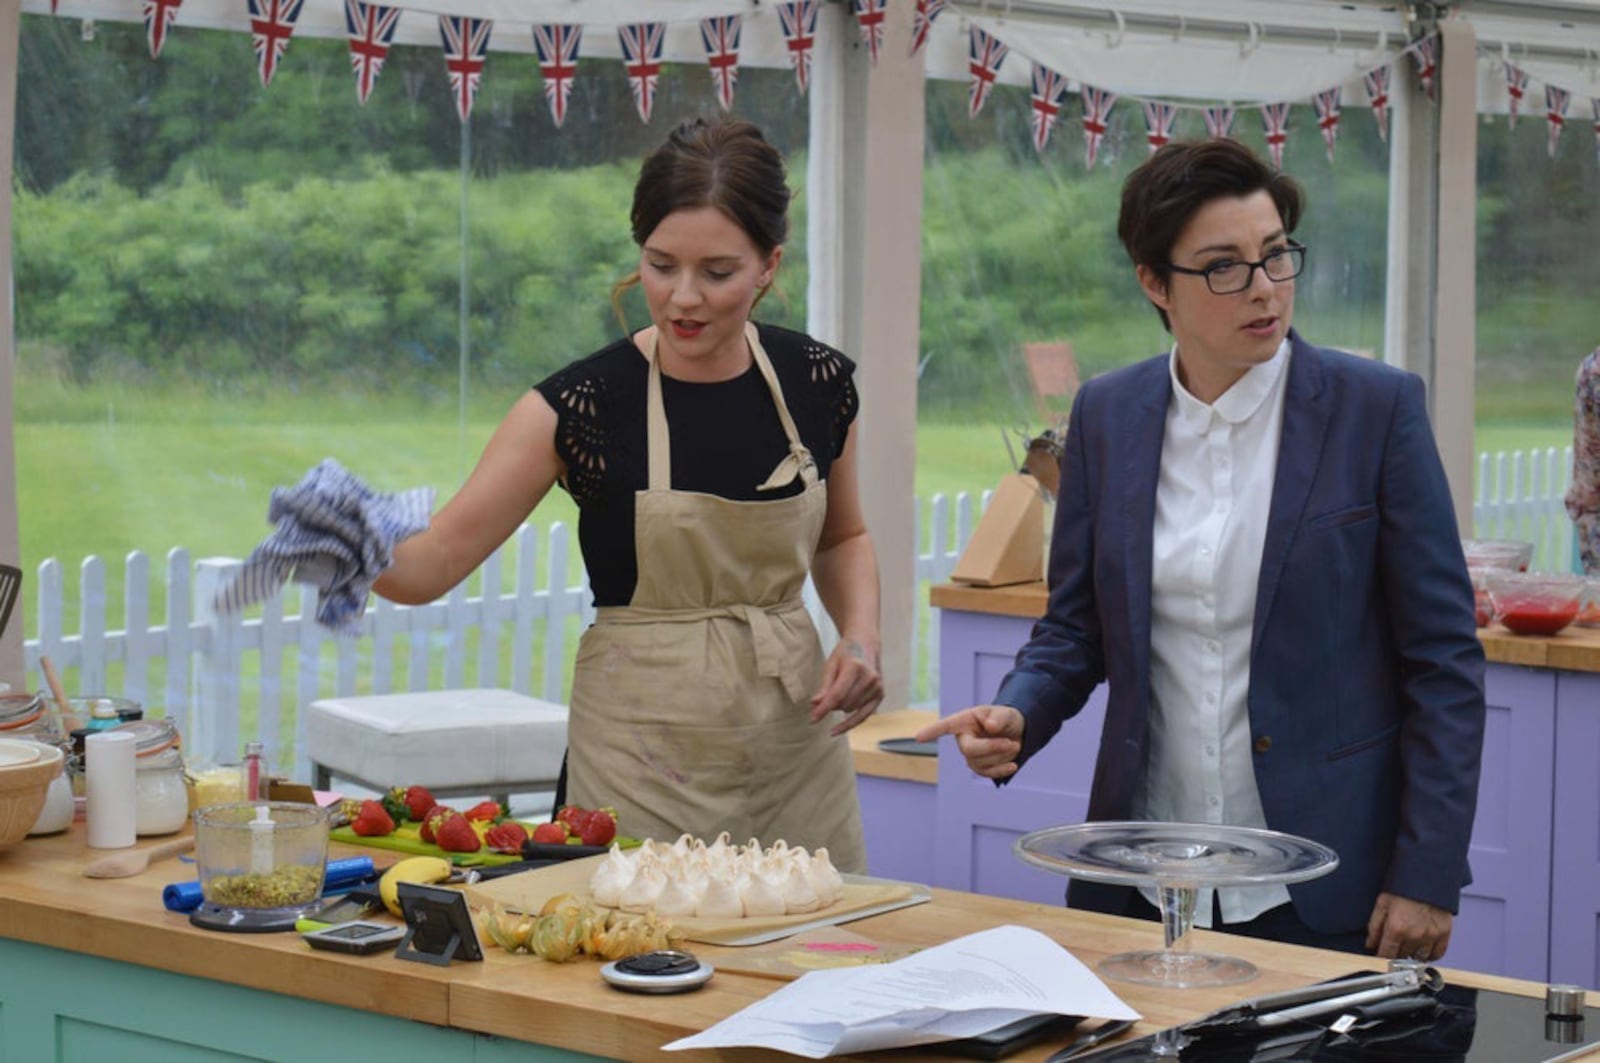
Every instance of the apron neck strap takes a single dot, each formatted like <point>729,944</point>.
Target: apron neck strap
<point>797,462</point>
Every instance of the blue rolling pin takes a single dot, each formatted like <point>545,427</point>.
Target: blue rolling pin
<point>341,874</point>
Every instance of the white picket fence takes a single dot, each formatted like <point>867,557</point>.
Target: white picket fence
<point>1520,495</point>
<point>230,679</point>
<point>226,680</point>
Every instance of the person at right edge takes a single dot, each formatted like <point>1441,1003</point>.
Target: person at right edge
<point>1255,547</point>
<point>1583,496</point>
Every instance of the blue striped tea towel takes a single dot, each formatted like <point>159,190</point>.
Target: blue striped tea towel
<point>333,532</point>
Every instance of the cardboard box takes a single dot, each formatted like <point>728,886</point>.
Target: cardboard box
<point>1007,546</point>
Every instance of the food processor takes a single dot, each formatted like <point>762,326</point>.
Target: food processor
<point>261,864</point>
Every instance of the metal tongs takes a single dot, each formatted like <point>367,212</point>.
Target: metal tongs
<point>1355,995</point>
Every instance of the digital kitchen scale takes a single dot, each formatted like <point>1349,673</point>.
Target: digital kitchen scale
<point>1466,1026</point>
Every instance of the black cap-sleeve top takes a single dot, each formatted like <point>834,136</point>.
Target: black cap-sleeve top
<point>726,437</point>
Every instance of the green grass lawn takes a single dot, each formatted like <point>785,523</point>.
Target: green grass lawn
<point>114,468</point>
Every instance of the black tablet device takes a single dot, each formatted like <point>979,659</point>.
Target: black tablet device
<point>439,926</point>
<point>1008,1039</point>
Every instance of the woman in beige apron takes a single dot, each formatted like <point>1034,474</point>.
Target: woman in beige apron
<point>701,702</point>
<point>690,706</point>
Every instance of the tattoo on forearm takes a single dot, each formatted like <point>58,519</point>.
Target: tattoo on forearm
<point>854,649</point>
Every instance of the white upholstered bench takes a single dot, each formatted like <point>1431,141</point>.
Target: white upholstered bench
<point>455,742</point>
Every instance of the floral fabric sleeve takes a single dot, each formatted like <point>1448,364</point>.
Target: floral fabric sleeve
<point>1583,496</point>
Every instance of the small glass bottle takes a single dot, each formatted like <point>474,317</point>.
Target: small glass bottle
<point>103,716</point>
<point>255,772</point>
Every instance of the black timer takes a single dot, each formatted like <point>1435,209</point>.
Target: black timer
<point>662,971</point>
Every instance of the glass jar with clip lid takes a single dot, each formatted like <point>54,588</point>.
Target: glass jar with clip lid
<point>161,791</point>
<point>33,717</point>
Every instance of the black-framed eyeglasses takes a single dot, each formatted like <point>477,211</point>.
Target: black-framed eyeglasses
<point>1228,278</point>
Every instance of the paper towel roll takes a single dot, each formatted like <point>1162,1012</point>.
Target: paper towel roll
<point>111,789</point>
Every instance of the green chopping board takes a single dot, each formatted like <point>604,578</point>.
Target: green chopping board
<point>407,838</point>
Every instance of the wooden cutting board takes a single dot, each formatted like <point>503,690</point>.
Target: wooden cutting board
<point>826,949</point>
<point>527,891</point>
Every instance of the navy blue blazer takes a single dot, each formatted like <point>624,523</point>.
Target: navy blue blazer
<point>1366,674</point>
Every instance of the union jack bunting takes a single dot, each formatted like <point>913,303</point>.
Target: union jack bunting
<point>1516,87</point>
<point>1424,53</point>
<point>1377,83</point>
<point>1048,89</point>
<point>799,21</point>
<point>985,53</point>
<point>466,42</point>
<point>922,21</point>
<point>271,26</point>
<point>1219,121</point>
<point>869,16</point>
<point>641,57</point>
<point>1327,106</point>
<point>1275,119</point>
<point>557,46</point>
<point>1158,119</point>
<point>158,15</point>
<point>1555,112</point>
<point>720,35</point>
<point>371,29</point>
<point>1096,111</point>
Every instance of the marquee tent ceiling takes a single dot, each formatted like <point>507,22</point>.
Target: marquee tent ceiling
<point>1243,51</point>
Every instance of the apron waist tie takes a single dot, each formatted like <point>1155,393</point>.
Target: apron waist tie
<point>763,634</point>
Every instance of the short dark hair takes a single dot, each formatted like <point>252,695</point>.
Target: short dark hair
<point>726,164</point>
<point>1170,187</point>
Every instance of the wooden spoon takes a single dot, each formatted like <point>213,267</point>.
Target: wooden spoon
<point>134,861</point>
<point>54,680</point>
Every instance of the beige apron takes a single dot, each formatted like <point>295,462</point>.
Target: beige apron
<point>691,705</point>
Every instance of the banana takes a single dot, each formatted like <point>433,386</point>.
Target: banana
<point>424,869</point>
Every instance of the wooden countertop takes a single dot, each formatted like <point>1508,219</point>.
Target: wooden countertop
<point>902,723</point>
<point>45,900</point>
<point>1577,649</point>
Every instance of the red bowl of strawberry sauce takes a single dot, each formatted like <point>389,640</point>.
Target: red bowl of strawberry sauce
<point>1530,603</point>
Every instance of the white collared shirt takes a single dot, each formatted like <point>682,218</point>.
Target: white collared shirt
<point>1218,465</point>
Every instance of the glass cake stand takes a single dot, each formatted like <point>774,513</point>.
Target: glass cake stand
<point>1177,859</point>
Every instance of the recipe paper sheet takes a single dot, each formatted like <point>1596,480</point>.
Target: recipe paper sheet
<point>959,989</point>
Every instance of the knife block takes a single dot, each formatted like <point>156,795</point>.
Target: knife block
<point>1007,546</point>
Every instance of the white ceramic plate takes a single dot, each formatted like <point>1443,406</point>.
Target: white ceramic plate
<point>14,752</point>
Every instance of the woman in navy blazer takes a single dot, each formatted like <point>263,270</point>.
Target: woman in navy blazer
<point>1357,685</point>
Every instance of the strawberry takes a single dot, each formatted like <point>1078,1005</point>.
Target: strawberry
<point>506,837</point>
<point>372,821</point>
<point>573,816</point>
<point>550,833</point>
<point>394,803</point>
<point>486,810</point>
<point>418,802</point>
<point>455,835</point>
<point>599,828</point>
<point>430,822</point>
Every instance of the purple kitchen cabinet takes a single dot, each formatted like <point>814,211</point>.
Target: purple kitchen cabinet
<point>1504,923</point>
<point>1575,860</point>
<point>1532,910</point>
<point>978,822</point>
<point>897,816</point>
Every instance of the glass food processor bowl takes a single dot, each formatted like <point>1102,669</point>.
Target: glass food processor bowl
<point>261,863</point>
